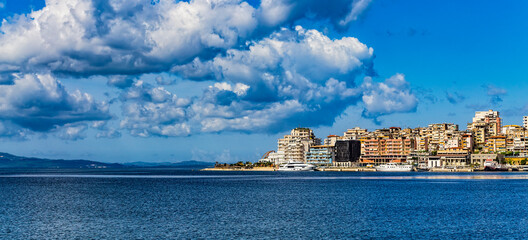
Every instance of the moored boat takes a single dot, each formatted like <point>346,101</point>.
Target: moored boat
<point>494,166</point>
<point>294,166</point>
<point>393,167</point>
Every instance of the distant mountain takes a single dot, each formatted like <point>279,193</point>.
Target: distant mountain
<point>11,161</point>
<point>184,164</point>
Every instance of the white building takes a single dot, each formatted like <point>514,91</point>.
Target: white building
<point>295,145</point>
<point>277,158</point>
<point>525,121</point>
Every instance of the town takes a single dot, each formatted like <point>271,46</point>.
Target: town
<point>486,144</point>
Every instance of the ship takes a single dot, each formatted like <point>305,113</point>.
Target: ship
<point>393,167</point>
<point>295,166</point>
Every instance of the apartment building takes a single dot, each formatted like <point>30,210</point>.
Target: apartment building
<point>485,124</point>
<point>296,144</point>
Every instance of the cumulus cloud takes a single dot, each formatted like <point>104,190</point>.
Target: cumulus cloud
<point>121,81</point>
<point>299,76</point>
<point>154,111</point>
<point>40,103</point>
<point>293,76</point>
<point>265,75</point>
<point>392,95</point>
<point>84,38</point>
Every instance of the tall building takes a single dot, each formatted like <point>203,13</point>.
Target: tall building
<point>347,152</point>
<point>525,122</point>
<point>485,124</point>
<point>296,144</point>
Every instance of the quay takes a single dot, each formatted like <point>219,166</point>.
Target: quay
<point>254,169</point>
<point>343,169</point>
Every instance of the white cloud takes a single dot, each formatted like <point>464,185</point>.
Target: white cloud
<point>40,103</point>
<point>290,78</point>
<point>71,132</point>
<point>391,96</point>
<point>154,111</point>
<point>266,78</point>
<point>87,38</point>
<point>358,7</point>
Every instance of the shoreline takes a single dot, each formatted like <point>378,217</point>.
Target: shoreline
<point>436,170</point>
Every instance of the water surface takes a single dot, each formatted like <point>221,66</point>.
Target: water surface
<point>171,204</point>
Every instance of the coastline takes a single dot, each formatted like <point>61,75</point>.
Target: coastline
<point>255,169</point>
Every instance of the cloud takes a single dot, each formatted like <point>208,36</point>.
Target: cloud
<point>495,93</point>
<point>391,96</point>
<point>153,111</point>
<point>121,81</point>
<point>40,103</point>
<point>165,81</point>
<point>13,131</point>
<point>85,38</point>
<point>358,7</point>
<point>72,132</point>
<point>104,131</point>
<point>339,12</point>
<point>291,77</point>
<point>109,133</point>
<point>454,97</point>
<point>265,75</point>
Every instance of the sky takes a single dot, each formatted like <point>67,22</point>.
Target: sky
<point>222,80</point>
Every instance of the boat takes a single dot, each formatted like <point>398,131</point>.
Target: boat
<point>494,166</point>
<point>393,167</point>
<point>296,166</point>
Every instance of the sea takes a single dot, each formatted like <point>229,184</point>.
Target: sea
<point>190,204</point>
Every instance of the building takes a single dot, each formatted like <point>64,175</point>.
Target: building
<point>355,133</point>
<point>296,144</point>
<point>525,122</point>
<point>434,162</point>
<point>480,159</point>
<point>331,139</point>
<point>484,125</point>
<point>520,146</point>
<point>384,150</point>
<point>495,144</point>
<point>454,157</point>
<point>320,155</point>
<point>347,153</point>
<point>276,158</point>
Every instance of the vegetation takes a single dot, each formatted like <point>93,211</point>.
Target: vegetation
<point>243,165</point>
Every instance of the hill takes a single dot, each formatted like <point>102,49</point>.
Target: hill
<point>11,161</point>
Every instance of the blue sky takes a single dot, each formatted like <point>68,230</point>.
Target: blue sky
<point>222,80</point>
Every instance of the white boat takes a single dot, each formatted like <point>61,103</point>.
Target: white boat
<point>393,167</point>
<point>293,166</point>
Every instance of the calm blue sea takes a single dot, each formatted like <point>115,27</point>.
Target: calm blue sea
<point>172,204</point>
